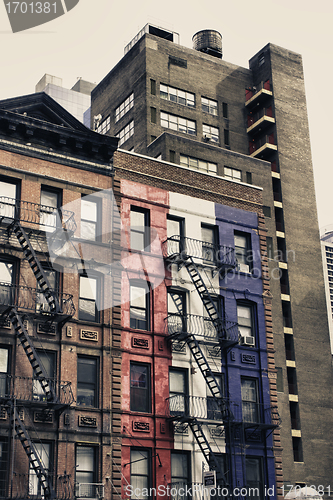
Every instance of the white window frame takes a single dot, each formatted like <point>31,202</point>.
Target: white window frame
<point>178,123</point>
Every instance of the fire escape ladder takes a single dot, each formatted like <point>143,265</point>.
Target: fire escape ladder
<point>32,355</point>
<point>203,293</point>
<point>37,269</point>
<point>33,456</point>
<point>208,375</point>
<point>205,448</point>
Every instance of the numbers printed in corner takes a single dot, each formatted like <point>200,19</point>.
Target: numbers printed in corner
<point>31,8</point>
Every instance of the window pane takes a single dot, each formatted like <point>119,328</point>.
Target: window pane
<point>88,210</point>
<point>138,296</point>
<point>88,230</point>
<point>177,382</point>
<point>6,270</point>
<point>88,288</point>
<point>49,198</point>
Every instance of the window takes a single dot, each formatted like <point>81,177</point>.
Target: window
<point>87,381</point>
<point>213,407</point>
<point>233,173</point>
<point>3,465</point>
<point>124,107</point>
<point>250,409</point>
<point>178,123</point>
<point>44,454</point>
<point>209,243</point>
<point>8,197</point>
<point>85,471</point>
<point>125,133</point>
<point>249,177</point>
<point>261,60</point>
<point>195,163</point>
<point>180,469</point>
<point>89,218</point>
<point>177,95</point>
<point>175,234</point>
<point>245,322</point>
<point>50,201</point>
<point>104,126</point>
<point>225,110</point>
<point>87,300</point>
<point>152,86</point>
<point>297,449</point>
<point>209,106</point>
<point>211,133</point>
<point>140,472</point>
<point>226,137</point>
<point>267,211</point>
<point>279,380</point>
<point>243,251</point>
<point>221,459</point>
<point>177,321</point>
<point>178,391</point>
<point>139,305</point>
<point>140,387</point>
<point>4,370</point>
<point>48,360</point>
<point>153,115</point>
<point>172,156</point>
<point>140,230</point>
<point>7,292</point>
<point>209,327</point>
<point>52,276</point>
<point>254,478</point>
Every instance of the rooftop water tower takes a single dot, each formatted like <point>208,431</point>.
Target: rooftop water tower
<point>209,42</point>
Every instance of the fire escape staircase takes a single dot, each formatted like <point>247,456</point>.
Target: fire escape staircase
<point>14,225</point>
<point>183,259</point>
<point>33,455</point>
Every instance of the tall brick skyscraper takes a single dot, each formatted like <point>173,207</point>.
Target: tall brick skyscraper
<point>191,108</point>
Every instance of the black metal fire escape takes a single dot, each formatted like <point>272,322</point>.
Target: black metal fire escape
<point>18,305</point>
<point>188,253</point>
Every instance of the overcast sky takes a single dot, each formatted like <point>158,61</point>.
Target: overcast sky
<point>89,40</point>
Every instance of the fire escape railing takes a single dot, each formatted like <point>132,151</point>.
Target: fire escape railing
<point>177,248</point>
<point>177,325</point>
<point>31,300</point>
<point>34,213</point>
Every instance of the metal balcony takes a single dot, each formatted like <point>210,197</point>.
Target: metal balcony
<point>182,407</point>
<point>252,415</point>
<point>48,219</point>
<point>178,326</point>
<point>27,390</point>
<point>264,147</point>
<point>23,486</point>
<point>90,490</point>
<point>31,301</point>
<point>258,94</point>
<point>260,120</point>
<point>178,249</point>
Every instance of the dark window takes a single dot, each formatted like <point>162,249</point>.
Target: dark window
<point>261,60</point>
<point>52,276</point>
<point>248,177</point>
<point>243,251</point>
<point>48,360</point>
<point>267,211</point>
<point>297,449</point>
<point>254,478</point>
<point>213,407</point>
<point>279,380</point>
<point>180,469</point>
<point>140,388</point>
<point>87,381</point>
<point>225,110</point>
<point>270,250</point>
<point>3,465</point>
<point>87,300</point>
<point>153,115</point>
<point>4,371</point>
<point>172,156</point>
<point>139,305</point>
<point>177,61</point>
<point>245,321</point>
<point>178,387</point>
<point>86,471</point>
<point>140,472</point>
<point>221,459</point>
<point>153,86</point>
<point>209,243</point>
<point>250,409</point>
<point>50,201</point>
<point>89,218</point>
<point>140,231</point>
<point>175,234</point>
<point>226,137</point>
<point>44,451</point>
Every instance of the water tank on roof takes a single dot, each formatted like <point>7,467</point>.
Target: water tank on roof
<point>208,41</point>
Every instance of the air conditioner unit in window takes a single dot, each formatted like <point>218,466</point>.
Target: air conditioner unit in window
<point>207,137</point>
<point>247,341</point>
<point>244,268</point>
